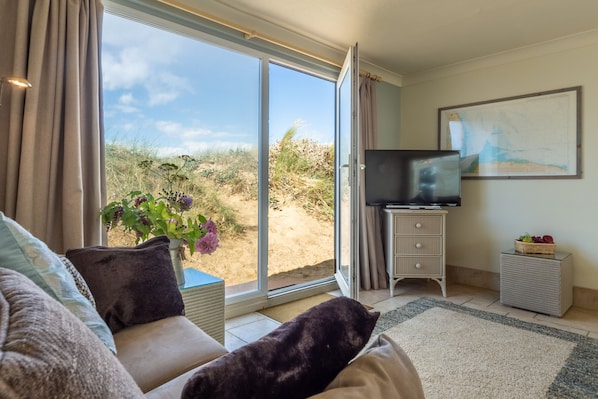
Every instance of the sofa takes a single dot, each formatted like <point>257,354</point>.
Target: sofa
<point>63,337</point>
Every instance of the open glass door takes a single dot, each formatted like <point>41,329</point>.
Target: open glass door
<point>346,177</point>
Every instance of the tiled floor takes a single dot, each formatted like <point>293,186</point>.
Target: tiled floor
<point>243,329</point>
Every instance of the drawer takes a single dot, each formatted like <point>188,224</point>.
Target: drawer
<point>418,245</point>
<point>406,266</point>
<point>418,224</point>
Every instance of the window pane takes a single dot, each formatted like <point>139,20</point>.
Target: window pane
<point>167,95</point>
<point>301,190</point>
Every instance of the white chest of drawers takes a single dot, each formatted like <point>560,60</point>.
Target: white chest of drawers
<point>415,245</point>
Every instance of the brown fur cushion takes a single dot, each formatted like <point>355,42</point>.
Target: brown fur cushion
<point>131,285</point>
<point>296,360</point>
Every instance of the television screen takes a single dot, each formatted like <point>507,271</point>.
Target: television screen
<point>412,178</point>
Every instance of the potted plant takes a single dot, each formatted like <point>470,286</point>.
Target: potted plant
<point>164,215</point>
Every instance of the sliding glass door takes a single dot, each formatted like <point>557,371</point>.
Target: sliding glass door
<point>259,136</point>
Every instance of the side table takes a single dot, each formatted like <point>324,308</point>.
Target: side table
<point>540,283</point>
<point>203,296</point>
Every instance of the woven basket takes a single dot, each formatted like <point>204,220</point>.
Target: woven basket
<point>534,248</point>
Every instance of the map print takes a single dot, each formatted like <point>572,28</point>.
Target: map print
<point>528,136</point>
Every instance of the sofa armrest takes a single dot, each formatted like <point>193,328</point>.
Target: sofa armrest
<point>157,352</point>
<point>173,389</point>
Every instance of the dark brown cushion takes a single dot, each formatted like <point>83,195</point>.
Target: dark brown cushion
<point>296,360</point>
<point>131,285</point>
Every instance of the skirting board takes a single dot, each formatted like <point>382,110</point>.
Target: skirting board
<point>585,298</point>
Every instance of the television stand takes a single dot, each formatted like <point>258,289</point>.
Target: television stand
<point>425,207</point>
<point>415,245</point>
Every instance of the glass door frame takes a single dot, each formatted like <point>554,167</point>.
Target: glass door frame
<point>348,280</point>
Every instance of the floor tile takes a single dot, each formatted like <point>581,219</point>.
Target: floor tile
<point>575,317</point>
<point>248,328</point>
<point>255,330</point>
<point>232,342</point>
<point>244,319</point>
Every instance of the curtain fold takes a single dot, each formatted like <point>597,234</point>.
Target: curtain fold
<point>53,180</point>
<point>372,266</point>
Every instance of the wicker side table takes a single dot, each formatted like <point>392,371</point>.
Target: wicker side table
<point>540,283</point>
<point>203,296</point>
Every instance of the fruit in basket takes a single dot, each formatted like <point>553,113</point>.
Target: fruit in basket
<point>548,239</point>
<point>526,238</point>
<point>544,239</point>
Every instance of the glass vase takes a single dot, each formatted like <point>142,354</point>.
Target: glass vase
<point>176,255</point>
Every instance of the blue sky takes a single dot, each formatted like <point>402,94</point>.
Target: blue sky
<point>183,96</point>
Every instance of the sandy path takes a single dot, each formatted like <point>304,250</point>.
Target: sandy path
<point>301,248</point>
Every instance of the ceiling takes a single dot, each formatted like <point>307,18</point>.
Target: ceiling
<point>407,36</point>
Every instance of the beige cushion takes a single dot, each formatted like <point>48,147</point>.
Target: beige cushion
<point>157,352</point>
<point>383,371</point>
<point>47,352</point>
<point>173,388</point>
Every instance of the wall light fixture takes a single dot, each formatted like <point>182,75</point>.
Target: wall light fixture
<point>13,81</point>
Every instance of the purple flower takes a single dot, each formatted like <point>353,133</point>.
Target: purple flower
<point>139,201</point>
<point>210,226</point>
<point>185,202</point>
<point>207,244</point>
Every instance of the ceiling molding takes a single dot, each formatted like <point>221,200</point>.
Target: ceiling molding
<point>221,13</point>
<point>579,40</point>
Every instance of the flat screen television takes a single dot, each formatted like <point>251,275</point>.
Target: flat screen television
<point>412,178</point>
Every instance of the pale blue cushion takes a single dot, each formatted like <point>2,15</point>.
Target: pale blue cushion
<point>22,252</point>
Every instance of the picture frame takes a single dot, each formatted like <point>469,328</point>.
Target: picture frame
<point>529,136</point>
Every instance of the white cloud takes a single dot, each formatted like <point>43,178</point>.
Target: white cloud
<point>165,87</point>
<point>184,133</point>
<point>136,56</point>
<point>195,147</point>
<point>125,70</point>
<point>168,127</point>
<point>126,99</point>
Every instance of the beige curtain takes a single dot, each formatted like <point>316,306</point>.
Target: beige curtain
<point>52,167</point>
<point>372,267</point>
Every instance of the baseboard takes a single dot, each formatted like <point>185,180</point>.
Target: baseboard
<point>473,277</point>
<point>585,298</point>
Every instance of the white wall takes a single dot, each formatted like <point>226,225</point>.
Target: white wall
<point>494,212</point>
<point>388,100</point>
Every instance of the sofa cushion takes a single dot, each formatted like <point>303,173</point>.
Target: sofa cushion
<point>383,371</point>
<point>296,360</point>
<point>179,345</point>
<point>131,285</point>
<point>79,280</point>
<point>47,352</point>
<point>21,251</point>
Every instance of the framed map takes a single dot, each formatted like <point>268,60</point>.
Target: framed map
<point>530,136</point>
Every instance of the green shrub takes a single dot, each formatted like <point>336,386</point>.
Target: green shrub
<point>301,172</point>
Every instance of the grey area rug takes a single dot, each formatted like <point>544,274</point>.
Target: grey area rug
<point>462,353</point>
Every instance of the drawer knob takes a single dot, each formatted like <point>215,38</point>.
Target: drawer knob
<point>418,245</point>
<point>418,225</point>
<point>418,265</point>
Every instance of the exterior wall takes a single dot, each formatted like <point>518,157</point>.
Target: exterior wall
<point>494,212</point>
